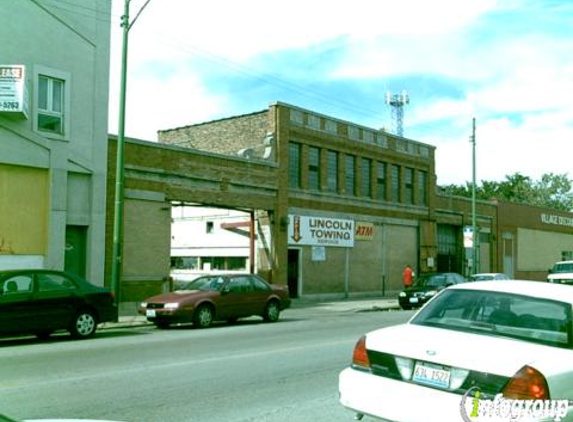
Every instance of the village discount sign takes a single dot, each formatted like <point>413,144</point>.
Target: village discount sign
<point>320,231</point>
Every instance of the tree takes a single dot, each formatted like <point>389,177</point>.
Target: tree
<point>552,190</point>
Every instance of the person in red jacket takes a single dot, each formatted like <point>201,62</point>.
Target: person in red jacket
<point>408,276</point>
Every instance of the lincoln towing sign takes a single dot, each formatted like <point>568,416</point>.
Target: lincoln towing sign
<point>320,231</point>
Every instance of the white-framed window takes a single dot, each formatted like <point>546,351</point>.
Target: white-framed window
<point>52,102</point>
<point>50,105</point>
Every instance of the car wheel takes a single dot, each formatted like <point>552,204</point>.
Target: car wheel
<point>161,325</point>
<point>272,311</point>
<point>84,324</point>
<point>203,316</point>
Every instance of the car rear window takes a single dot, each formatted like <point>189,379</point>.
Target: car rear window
<point>500,314</point>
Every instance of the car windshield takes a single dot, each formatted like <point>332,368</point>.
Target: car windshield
<point>500,314</point>
<point>202,283</point>
<point>566,267</point>
<point>434,280</point>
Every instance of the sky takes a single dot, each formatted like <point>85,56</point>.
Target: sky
<point>506,63</point>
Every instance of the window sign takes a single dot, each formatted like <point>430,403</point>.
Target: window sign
<point>320,231</point>
<point>13,89</point>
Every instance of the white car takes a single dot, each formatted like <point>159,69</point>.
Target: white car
<point>482,351</point>
<point>562,273</point>
<point>488,276</point>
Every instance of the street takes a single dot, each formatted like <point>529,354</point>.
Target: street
<point>251,371</point>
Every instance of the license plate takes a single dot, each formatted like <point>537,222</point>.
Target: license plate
<point>414,300</point>
<point>150,313</point>
<point>429,374</point>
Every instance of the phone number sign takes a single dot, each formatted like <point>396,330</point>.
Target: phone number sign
<point>12,88</point>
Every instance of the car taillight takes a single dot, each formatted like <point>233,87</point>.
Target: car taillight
<point>527,384</point>
<point>360,355</point>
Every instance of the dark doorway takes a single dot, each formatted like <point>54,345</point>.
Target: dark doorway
<point>293,271</point>
<point>75,256</point>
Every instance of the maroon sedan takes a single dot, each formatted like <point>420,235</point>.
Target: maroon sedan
<point>217,297</point>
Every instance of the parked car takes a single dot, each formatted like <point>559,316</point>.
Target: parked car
<point>472,348</point>
<point>217,297</point>
<point>562,273</point>
<point>488,277</point>
<point>425,287</point>
<point>39,302</point>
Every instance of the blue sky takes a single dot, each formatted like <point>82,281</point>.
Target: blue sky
<point>507,63</point>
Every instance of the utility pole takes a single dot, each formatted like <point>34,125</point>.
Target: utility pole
<point>119,166</point>
<point>475,236</point>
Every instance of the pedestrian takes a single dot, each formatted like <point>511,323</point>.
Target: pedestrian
<point>408,276</point>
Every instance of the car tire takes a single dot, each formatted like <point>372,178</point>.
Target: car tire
<point>272,311</point>
<point>203,316</point>
<point>84,324</point>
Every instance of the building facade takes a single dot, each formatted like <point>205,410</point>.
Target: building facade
<point>54,75</point>
<point>359,203</point>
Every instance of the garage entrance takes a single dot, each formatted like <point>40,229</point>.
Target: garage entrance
<point>159,176</point>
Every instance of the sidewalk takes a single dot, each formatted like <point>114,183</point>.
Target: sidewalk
<point>128,316</point>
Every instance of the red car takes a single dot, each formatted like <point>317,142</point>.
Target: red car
<point>217,297</point>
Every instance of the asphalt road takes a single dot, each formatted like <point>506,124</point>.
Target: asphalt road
<point>251,371</point>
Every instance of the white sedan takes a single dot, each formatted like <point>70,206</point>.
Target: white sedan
<point>483,351</point>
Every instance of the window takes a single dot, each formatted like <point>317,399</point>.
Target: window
<point>54,283</point>
<point>332,171</point>
<point>314,121</point>
<point>331,126</point>
<point>409,185</point>
<point>422,180</point>
<point>209,227</point>
<point>381,181</point>
<point>395,183</point>
<point>294,165</point>
<point>50,104</point>
<point>314,168</point>
<point>366,176</point>
<point>350,175</point>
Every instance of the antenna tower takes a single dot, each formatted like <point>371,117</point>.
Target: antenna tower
<point>397,103</point>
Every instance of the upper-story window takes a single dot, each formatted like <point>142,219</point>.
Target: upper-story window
<point>395,183</point>
<point>350,174</point>
<point>381,181</point>
<point>422,180</point>
<point>353,132</point>
<point>331,126</point>
<point>409,185</point>
<point>294,165</point>
<point>366,177</point>
<point>314,121</point>
<point>332,171</point>
<point>313,168</point>
<point>51,104</point>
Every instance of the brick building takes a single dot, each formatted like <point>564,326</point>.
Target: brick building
<point>358,204</point>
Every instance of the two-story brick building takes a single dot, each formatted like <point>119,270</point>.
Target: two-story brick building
<point>359,203</point>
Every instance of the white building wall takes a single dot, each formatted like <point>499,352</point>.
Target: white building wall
<point>70,41</point>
